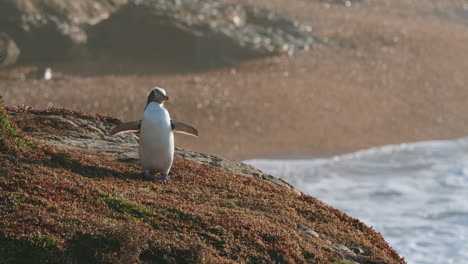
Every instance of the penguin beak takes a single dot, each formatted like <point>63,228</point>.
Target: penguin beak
<point>166,98</point>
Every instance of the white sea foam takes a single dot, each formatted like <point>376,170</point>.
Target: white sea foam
<point>415,194</point>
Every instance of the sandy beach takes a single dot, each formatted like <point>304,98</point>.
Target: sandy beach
<point>385,73</point>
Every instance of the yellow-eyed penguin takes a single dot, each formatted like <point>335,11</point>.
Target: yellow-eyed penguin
<point>156,147</point>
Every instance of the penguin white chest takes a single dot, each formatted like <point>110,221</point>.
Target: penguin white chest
<point>156,139</point>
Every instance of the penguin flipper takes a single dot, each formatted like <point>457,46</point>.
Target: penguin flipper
<point>127,126</point>
<point>180,127</point>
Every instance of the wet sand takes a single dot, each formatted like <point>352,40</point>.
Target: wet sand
<point>389,73</point>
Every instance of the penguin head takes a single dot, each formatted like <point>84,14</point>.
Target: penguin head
<point>157,95</point>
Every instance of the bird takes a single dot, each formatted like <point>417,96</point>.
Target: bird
<point>156,145</point>
<point>47,74</point>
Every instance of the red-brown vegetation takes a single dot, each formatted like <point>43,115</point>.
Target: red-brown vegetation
<point>70,206</point>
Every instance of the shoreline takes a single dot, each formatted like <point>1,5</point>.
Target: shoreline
<point>367,86</point>
<point>292,157</point>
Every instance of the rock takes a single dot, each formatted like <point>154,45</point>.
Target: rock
<point>309,231</point>
<point>234,167</point>
<point>46,29</point>
<point>9,52</point>
<point>200,31</point>
<point>81,132</point>
<point>358,251</point>
<point>356,255</point>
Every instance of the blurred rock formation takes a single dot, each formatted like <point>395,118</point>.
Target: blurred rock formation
<point>200,31</point>
<point>52,29</point>
<point>9,52</point>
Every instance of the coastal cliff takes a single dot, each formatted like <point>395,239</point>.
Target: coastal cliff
<point>71,194</point>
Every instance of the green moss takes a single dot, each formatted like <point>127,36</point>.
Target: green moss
<point>9,136</point>
<point>145,190</point>
<point>232,203</point>
<point>121,204</point>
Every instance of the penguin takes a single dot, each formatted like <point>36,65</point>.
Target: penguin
<point>156,146</point>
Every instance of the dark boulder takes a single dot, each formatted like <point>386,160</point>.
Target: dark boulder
<point>200,31</point>
<point>52,29</point>
<point>9,52</point>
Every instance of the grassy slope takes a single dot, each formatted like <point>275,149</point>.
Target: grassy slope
<point>64,206</point>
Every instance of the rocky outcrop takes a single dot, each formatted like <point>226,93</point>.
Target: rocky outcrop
<point>9,52</point>
<point>77,131</point>
<point>47,29</point>
<point>66,204</point>
<point>200,31</point>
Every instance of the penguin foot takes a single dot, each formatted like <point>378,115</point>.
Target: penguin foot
<point>164,179</point>
<point>148,176</point>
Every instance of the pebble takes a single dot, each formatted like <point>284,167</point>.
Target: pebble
<point>309,231</point>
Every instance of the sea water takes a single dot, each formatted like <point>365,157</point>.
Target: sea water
<point>415,194</point>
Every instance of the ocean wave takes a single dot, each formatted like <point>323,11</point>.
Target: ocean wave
<point>415,194</point>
